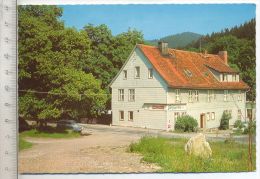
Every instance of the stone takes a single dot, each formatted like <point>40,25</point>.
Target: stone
<point>84,132</point>
<point>198,146</point>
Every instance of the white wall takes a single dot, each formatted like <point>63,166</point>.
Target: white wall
<point>217,105</point>
<point>146,91</point>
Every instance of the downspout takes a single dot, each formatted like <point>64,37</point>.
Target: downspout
<point>245,104</point>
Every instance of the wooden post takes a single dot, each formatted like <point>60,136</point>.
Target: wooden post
<point>250,162</point>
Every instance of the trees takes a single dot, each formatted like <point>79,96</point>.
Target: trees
<point>52,82</point>
<point>64,72</point>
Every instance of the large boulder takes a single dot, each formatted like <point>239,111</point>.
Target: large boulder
<point>198,146</point>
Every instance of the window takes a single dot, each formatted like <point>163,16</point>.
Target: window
<point>212,116</point>
<point>225,95</point>
<point>177,95</point>
<point>121,115</point>
<point>125,74</point>
<point>130,115</point>
<point>137,72</point>
<point>190,96</point>
<point>224,77</point>
<point>239,114</point>
<point>183,113</point>
<point>210,95</point>
<point>234,77</point>
<point>196,95</point>
<point>150,73</point>
<point>239,97</point>
<point>131,95</point>
<point>187,73</point>
<point>176,115</point>
<point>120,94</point>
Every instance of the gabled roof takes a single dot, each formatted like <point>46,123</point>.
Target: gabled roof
<point>184,69</point>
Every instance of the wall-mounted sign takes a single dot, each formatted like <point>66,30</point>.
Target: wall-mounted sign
<point>157,106</point>
<point>177,107</point>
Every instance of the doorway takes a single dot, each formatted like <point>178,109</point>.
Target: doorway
<point>202,120</point>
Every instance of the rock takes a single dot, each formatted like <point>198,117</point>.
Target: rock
<point>84,132</point>
<point>198,146</point>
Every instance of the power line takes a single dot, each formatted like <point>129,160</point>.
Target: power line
<point>53,93</point>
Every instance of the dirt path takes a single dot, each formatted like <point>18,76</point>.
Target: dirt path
<point>96,153</point>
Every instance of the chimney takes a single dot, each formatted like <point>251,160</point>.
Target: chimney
<point>224,56</point>
<point>163,47</point>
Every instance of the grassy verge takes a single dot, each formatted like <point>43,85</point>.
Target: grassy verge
<point>23,144</point>
<point>170,155</point>
<point>46,134</point>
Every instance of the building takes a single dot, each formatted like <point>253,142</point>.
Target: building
<point>158,84</point>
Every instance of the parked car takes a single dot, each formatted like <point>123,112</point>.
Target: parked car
<point>69,124</point>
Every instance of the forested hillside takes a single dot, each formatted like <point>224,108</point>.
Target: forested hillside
<point>177,40</point>
<point>239,41</point>
<point>64,72</point>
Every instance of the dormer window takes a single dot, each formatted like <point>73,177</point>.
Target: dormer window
<point>224,77</point>
<point>187,73</point>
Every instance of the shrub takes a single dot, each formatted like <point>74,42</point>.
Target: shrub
<point>238,124</point>
<point>253,128</point>
<point>224,122</point>
<point>186,123</point>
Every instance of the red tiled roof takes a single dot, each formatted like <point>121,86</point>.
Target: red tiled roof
<point>172,69</point>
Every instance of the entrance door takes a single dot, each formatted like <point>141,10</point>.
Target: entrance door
<point>202,120</point>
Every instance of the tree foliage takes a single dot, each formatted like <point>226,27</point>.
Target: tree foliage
<point>64,72</point>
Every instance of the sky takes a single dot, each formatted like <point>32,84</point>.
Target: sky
<point>156,21</point>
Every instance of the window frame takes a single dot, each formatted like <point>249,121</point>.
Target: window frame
<point>212,117</point>
<point>190,100</point>
<point>129,116</point>
<point>196,95</point>
<point>131,96</point>
<point>121,94</point>
<point>121,113</point>
<point>177,95</point>
<point>150,73</point>
<point>137,72</point>
<point>124,74</point>
<point>225,95</point>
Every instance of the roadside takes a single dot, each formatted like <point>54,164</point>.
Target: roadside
<point>211,136</point>
<point>100,152</point>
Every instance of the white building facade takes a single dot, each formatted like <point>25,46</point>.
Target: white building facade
<point>144,92</point>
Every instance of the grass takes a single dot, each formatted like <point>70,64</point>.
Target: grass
<point>170,155</point>
<point>23,144</point>
<point>46,134</point>
<point>49,132</point>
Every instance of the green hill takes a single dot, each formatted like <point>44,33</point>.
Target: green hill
<point>177,40</point>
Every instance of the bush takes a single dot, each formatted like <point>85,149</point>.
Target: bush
<point>238,124</point>
<point>253,128</point>
<point>186,124</point>
<point>224,122</point>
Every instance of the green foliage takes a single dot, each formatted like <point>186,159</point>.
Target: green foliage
<point>251,126</point>
<point>238,124</point>
<point>177,40</point>
<point>48,134</point>
<point>224,122</point>
<point>23,144</point>
<point>186,124</point>
<point>69,69</point>
<point>169,154</point>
